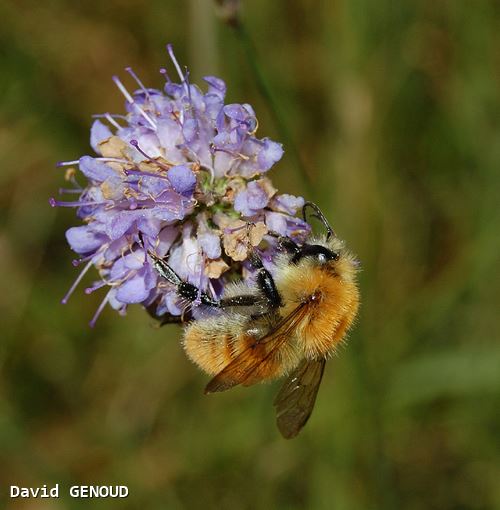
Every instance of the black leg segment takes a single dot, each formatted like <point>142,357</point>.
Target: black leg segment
<point>285,243</point>
<point>269,297</point>
<point>265,281</point>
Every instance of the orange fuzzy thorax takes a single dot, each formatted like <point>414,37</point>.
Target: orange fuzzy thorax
<point>331,315</point>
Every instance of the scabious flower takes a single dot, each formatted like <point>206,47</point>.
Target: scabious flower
<point>180,175</point>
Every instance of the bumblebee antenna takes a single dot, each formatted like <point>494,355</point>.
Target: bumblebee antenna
<point>318,215</point>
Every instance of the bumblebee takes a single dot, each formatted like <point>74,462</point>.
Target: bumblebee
<point>288,324</point>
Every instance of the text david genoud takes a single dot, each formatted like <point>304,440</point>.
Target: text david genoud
<point>75,491</point>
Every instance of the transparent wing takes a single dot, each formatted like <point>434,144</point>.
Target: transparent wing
<point>295,401</point>
<point>256,362</point>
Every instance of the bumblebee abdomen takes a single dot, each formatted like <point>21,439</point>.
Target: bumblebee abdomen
<point>213,343</point>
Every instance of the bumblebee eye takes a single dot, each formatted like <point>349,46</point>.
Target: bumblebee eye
<point>325,256</point>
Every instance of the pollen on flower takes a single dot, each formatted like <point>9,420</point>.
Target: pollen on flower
<point>179,175</point>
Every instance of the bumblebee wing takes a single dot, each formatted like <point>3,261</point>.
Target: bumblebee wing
<point>253,364</point>
<point>295,401</point>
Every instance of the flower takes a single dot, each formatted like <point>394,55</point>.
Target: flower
<point>181,175</point>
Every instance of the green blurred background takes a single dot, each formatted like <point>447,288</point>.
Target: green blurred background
<point>394,110</point>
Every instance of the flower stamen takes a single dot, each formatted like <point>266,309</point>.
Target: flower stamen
<point>58,203</point>
<point>100,309</point>
<point>64,300</point>
<point>63,191</point>
<point>135,144</point>
<point>141,173</point>
<point>139,82</point>
<point>95,286</point>
<point>164,72</point>
<point>67,163</point>
<point>176,64</point>
<point>110,118</point>
<point>131,101</point>
<point>112,121</point>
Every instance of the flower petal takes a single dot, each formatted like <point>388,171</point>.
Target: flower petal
<point>95,170</point>
<point>134,290</point>
<point>210,244</point>
<point>270,153</point>
<point>288,226</point>
<point>250,201</point>
<point>288,204</point>
<point>98,133</point>
<point>182,179</point>
<point>84,240</point>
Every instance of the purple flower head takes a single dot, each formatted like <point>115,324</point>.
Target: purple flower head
<point>180,175</point>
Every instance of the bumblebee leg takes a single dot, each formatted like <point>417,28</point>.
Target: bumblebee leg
<point>285,243</point>
<point>265,281</point>
<point>170,319</point>
<point>173,319</point>
<point>190,292</point>
<point>241,300</point>
<point>184,289</point>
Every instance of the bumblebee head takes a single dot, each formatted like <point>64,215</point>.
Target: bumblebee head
<point>329,256</point>
<point>321,251</point>
<point>326,251</point>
